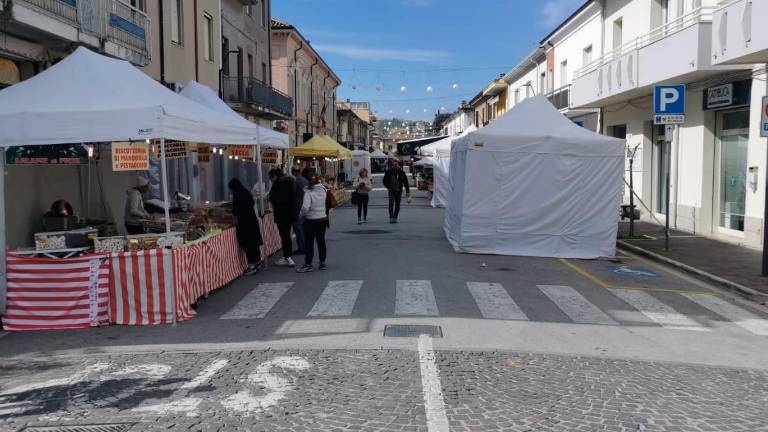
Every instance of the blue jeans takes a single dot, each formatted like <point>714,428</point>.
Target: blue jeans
<point>298,229</point>
<point>394,203</point>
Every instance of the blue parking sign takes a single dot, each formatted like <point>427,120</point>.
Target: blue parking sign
<point>669,104</point>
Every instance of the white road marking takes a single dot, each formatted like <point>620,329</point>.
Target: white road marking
<point>742,318</point>
<point>494,301</point>
<point>658,312</point>
<point>259,301</point>
<point>415,297</point>
<point>338,299</point>
<point>180,403</point>
<point>277,386</point>
<point>575,305</point>
<point>71,380</point>
<point>434,404</point>
<point>152,371</point>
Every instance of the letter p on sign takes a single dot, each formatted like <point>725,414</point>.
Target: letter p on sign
<point>669,99</point>
<point>668,96</point>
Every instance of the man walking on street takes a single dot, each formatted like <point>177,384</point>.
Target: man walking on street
<point>298,226</point>
<point>395,180</point>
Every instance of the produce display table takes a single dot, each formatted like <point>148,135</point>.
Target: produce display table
<point>67,293</point>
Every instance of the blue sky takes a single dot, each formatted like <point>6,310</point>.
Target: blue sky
<point>378,46</point>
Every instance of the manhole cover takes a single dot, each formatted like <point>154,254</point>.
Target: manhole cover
<point>372,231</point>
<point>400,330</point>
<point>113,427</point>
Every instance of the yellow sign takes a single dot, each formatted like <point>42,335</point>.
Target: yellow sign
<point>130,156</point>
<point>203,153</point>
<point>270,156</point>
<point>173,149</point>
<point>241,151</point>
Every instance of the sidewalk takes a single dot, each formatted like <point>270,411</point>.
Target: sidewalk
<point>733,267</point>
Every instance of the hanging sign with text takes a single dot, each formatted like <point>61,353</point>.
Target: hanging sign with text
<point>241,151</point>
<point>130,156</point>
<point>270,156</point>
<point>764,118</point>
<point>173,149</point>
<point>203,153</point>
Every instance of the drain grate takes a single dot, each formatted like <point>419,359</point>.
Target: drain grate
<point>400,330</point>
<point>112,427</point>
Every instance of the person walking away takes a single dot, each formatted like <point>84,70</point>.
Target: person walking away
<point>135,213</point>
<point>298,225</point>
<point>314,210</point>
<point>395,181</point>
<point>363,186</point>
<point>247,225</point>
<point>282,196</point>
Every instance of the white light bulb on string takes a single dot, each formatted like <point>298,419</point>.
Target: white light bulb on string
<point>407,111</point>
<point>403,89</point>
<point>455,86</point>
<point>354,87</point>
<point>425,110</point>
<point>429,89</point>
<point>379,87</point>
<point>442,108</point>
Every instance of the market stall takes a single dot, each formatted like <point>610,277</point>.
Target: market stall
<point>66,104</point>
<point>324,152</point>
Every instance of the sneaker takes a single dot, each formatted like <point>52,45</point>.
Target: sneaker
<point>282,262</point>
<point>306,268</point>
<point>322,267</point>
<point>290,262</point>
<point>251,270</point>
<point>365,220</point>
<point>359,222</point>
<point>392,220</point>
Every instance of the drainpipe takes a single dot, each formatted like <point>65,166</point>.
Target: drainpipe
<point>311,93</point>
<point>296,92</point>
<point>197,62</point>
<point>325,97</point>
<point>162,43</point>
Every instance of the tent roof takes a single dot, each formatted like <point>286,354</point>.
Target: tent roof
<point>536,126</point>
<point>378,154</point>
<point>203,94</point>
<point>88,97</point>
<point>444,145</point>
<point>321,146</point>
<point>360,153</point>
<point>427,161</point>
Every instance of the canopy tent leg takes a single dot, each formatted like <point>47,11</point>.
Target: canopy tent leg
<point>259,173</point>
<point>164,177</point>
<point>3,247</point>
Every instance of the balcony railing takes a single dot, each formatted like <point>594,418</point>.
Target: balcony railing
<point>251,91</point>
<point>697,16</point>
<point>65,10</point>
<point>127,25</point>
<point>561,98</point>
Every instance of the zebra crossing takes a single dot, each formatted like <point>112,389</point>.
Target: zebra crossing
<point>416,298</point>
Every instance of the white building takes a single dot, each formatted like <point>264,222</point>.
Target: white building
<point>459,121</point>
<point>716,160</point>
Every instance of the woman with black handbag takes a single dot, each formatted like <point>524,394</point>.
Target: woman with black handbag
<point>314,210</point>
<point>363,186</point>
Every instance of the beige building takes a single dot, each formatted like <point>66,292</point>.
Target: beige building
<point>354,125</point>
<point>246,82</point>
<point>300,72</point>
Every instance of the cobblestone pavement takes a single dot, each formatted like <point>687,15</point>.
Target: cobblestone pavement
<point>378,390</point>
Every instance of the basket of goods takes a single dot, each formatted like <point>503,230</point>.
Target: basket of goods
<point>110,244</point>
<point>51,240</point>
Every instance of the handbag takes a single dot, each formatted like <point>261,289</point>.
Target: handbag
<point>355,198</point>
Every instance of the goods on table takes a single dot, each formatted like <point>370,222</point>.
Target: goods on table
<point>82,237</point>
<point>51,240</point>
<point>154,241</point>
<point>110,244</point>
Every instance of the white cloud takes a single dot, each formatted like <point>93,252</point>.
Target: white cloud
<point>555,11</point>
<point>416,3</point>
<point>368,53</point>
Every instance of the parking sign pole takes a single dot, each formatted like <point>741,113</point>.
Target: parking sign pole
<point>764,133</point>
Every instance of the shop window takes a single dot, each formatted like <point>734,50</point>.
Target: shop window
<point>208,37</point>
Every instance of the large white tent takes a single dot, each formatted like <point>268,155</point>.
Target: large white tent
<point>203,94</point>
<point>441,151</point>
<point>533,183</point>
<point>360,159</point>
<point>88,97</point>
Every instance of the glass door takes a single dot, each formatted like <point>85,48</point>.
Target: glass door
<point>733,138</point>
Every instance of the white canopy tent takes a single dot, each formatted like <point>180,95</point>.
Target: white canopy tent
<point>441,168</point>
<point>378,154</point>
<point>425,162</point>
<point>533,183</point>
<point>88,97</point>
<point>360,159</point>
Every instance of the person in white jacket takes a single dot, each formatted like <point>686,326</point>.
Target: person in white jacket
<point>363,186</point>
<point>314,211</point>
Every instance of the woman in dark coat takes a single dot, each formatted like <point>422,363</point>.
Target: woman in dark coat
<point>248,233</point>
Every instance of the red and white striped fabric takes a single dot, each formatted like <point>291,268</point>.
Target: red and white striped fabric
<point>270,235</point>
<point>205,266</point>
<point>141,288</point>
<point>48,293</point>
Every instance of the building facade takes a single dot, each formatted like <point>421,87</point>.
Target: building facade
<point>299,72</point>
<point>459,121</point>
<point>246,73</point>
<point>354,125</point>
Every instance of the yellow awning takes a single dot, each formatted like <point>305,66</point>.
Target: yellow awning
<point>321,146</point>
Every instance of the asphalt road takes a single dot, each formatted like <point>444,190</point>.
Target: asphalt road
<point>527,344</point>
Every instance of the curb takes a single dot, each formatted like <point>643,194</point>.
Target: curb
<point>746,292</point>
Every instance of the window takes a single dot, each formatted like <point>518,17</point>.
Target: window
<point>528,88</point>
<point>517,96</point>
<point>225,50</point>
<point>264,13</point>
<point>543,83</point>
<point>250,66</point>
<point>264,77</point>
<point>208,37</point>
<point>586,56</point>
<point>618,30</point>
<point>177,21</point>
<point>563,73</point>
<point>139,4</point>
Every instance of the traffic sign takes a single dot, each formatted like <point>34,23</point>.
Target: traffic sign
<point>764,118</point>
<point>669,104</point>
<point>629,271</point>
